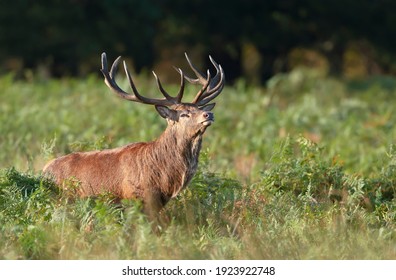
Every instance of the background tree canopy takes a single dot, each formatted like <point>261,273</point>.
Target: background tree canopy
<point>253,38</point>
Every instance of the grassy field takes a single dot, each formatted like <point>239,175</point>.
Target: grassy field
<point>304,168</point>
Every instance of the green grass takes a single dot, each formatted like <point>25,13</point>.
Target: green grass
<point>304,168</point>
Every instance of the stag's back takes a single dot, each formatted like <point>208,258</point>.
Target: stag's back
<point>93,172</point>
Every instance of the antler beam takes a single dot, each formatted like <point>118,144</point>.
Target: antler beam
<point>135,96</point>
<point>211,87</point>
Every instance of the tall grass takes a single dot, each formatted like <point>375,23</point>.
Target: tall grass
<point>301,169</point>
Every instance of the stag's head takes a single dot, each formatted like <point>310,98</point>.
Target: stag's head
<point>188,118</point>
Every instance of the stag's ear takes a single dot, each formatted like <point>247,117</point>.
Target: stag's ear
<point>208,107</point>
<point>165,112</point>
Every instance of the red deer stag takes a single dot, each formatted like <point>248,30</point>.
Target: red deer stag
<point>156,171</point>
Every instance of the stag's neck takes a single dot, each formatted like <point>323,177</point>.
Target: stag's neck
<point>178,146</point>
<point>182,157</point>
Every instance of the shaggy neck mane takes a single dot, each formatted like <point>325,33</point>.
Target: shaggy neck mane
<point>176,158</point>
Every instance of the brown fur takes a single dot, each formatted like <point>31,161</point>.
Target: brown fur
<point>153,172</point>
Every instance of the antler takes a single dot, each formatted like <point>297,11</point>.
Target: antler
<point>135,96</point>
<point>211,88</point>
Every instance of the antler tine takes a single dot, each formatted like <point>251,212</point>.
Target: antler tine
<point>163,91</point>
<point>215,91</point>
<point>200,78</point>
<point>181,90</point>
<point>216,65</point>
<point>111,83</point>
<point>105,67</point>
<point>203,89</point>
<point>132,84</point>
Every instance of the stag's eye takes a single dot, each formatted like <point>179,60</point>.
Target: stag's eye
<point>184,115</point>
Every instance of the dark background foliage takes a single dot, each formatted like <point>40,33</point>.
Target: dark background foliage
<point>253,38</point>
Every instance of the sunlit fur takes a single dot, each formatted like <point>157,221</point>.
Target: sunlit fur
<point>153,171</point>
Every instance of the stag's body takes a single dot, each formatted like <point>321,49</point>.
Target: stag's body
<point>153,172</point>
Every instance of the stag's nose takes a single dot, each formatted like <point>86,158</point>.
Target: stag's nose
<point>208,116</point>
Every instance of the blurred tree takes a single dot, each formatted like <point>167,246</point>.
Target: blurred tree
<point>65,34</point>
<point>68,36</point>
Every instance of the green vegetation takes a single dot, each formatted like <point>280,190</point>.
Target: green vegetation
<point>304,168</point>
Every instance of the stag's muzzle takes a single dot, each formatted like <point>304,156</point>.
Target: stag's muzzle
<point>208,118</point>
